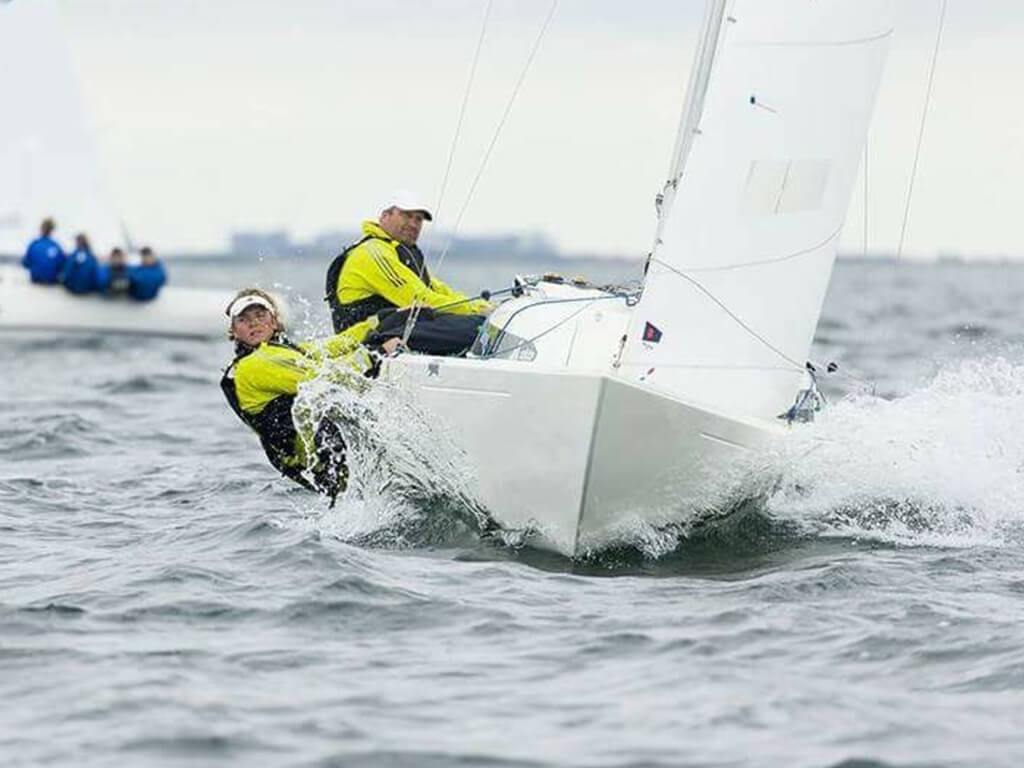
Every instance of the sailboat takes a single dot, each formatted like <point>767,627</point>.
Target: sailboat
<point>49,166</point>
<point>587,410</point>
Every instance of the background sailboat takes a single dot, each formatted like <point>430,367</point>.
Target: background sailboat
<point>50,166</point>
<point>49,163</point>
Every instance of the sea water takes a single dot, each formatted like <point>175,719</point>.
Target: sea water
<point>166,600</point>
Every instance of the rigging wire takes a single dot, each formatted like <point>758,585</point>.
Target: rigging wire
<point>462,108</point>
<point>754,334</point>
<point>866,198</point>
<point>736,318</point>
<point>588,302</point>
<point>920,133</point>
<point>483,163</point>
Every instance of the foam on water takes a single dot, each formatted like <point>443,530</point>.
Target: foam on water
<point>941,466</point>
<point>408,481</point>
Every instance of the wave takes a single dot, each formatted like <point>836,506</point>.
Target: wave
<point>941,466</point>
<point>409,484</point>
<point>155,382</point>
<point>52,435</point>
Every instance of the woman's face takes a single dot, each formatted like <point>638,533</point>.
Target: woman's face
<point>254,326</point>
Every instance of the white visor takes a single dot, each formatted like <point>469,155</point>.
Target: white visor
<point>242,303</point>
<point>405,200</point>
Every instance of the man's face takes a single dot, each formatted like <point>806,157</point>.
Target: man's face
<point>254,326</point>
<point>404,226</point>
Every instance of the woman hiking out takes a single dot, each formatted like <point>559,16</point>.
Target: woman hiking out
<point>262,381</point>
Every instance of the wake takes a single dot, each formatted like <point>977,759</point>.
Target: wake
<point>942,466</point>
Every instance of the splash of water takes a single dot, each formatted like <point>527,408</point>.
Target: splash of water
<point>942,466</point>
<point>409,483</point>
<point>302,317</point>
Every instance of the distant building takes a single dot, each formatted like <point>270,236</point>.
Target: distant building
<point>332,243</point>
<point>262,243</point>
<point>527,247</point>
<point>530,247</point>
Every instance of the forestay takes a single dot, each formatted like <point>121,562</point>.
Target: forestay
<point>48,157</point>
<point>767,155</point>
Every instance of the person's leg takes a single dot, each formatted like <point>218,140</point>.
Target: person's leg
<point>434,333</point>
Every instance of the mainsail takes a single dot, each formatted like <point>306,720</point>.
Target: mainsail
<point>49,164</point>
<point>767,154</point>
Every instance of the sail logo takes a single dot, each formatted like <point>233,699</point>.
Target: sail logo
<point>652,333</point>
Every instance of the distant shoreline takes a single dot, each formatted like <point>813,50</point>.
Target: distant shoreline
<point>554,260</point>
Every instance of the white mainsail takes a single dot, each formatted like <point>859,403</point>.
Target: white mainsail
<point>49,165</point>
<point>764,166</point>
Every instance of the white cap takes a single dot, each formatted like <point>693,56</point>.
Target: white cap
<point>407,201</point>
<point>242,303</point>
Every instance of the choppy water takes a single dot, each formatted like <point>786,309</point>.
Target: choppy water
<point>165,600</point>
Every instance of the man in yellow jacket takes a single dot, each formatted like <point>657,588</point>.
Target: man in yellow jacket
<point>262,381</point>
<point>386,271</point>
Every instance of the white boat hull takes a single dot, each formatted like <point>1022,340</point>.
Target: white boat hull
<point>177,312</point>
<point>581,458</point>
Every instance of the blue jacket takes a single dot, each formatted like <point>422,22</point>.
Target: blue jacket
<point>44,260</point>
<point>113,282</point>
<point>81,274</point>
<point>147,281</point>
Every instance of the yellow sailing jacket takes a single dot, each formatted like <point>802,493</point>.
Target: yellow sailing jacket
<point>374,268</point>
<point>272,370</point>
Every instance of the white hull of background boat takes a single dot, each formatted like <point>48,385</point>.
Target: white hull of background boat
<point>177,312</point>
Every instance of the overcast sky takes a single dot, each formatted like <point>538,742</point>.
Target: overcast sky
<point>215,116</point>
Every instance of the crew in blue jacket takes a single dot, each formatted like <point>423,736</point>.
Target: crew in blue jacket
<point>44,258</point>
<point>114,277</point>
<point>81,273</point>
<point>148,277</point>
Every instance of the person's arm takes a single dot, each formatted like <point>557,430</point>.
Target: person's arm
<point>378,270</point>
<point>26,260</point>
<point>463,307</point>
<point>349,340</point>
<point>342,357</point>
<point>95,286</point>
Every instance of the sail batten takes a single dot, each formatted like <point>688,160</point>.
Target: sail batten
<point>816,43</point>
<point>746,239</point>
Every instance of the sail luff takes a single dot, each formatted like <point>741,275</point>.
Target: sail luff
<point>696,90</point>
